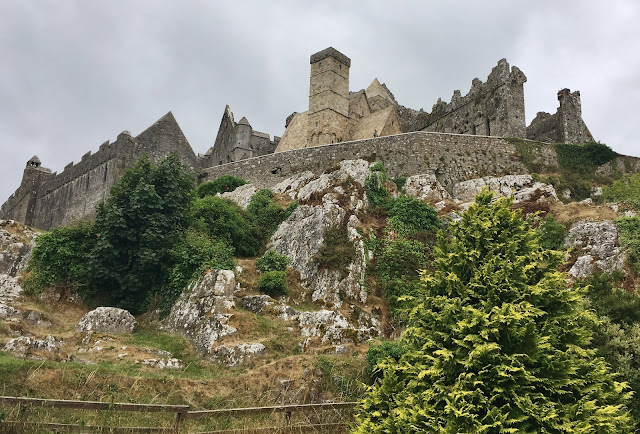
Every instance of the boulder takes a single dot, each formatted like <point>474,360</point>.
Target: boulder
<point>236,355</point>
<point>7,311</point>
<point>426,187</point>
<point>597,245</point>
<point>16,244</point>
<point>292,184</point>
<point>466,191</point>
<point>110,320</point>
<point>201,312</point>
<point>331,326</point>
<point>265,305</point>
<point>241,195</point>
<point>26,344</point>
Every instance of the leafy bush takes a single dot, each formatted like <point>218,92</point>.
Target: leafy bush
<point>377,353</point>
<point>191,257</point>
<point>61,258</point>
<point>410,216</point>
<point>377,195</point>
<point>607,299</point>
<point>398,266</point>
<point>136,227</point>
<point>399,182</point>
<point>337,251</point>
<point>273,283</point>
<point>625,189</point>
<point>552,233</point>
<point>222,184</point>
<point>629,234</point>
<point>583,159</point>
<point>267,214</point>
<point>272,261</point>
<point>223,219</point>
<point>496,342</point>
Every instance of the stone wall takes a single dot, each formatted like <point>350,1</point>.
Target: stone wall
<point>493,108</point>
<point>565,125</point>
<point>451,157</point>
<point>53,200</point>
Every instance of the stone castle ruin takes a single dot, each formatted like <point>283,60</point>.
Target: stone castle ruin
<point>339,124</point>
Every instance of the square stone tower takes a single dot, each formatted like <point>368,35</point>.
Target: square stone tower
<point>328,97</point>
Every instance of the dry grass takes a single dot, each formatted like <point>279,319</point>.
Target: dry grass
<point>573,212</point>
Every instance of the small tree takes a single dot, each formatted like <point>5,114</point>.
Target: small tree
<point>136,227</point>
<point>497,342</point>
<point>222,184</point>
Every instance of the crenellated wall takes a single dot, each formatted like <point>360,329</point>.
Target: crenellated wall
<point>45,200</point>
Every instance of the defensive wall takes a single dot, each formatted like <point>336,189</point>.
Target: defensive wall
<point>45,200</point>
<point>451,157</point>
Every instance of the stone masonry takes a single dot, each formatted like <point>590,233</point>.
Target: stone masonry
<point>456,141</point>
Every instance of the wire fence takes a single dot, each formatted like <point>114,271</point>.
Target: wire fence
<point>34,415</point>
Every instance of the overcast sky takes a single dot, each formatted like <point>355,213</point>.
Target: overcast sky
<point>74,73</point>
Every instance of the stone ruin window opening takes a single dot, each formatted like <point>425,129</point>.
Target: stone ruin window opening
<point>487,126</point>
<point>473,129</point>
<point>34,164</point>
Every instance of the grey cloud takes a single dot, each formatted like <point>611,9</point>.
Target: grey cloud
<point>75,73</point>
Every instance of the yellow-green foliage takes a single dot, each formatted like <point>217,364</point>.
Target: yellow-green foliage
<point>496,342</point>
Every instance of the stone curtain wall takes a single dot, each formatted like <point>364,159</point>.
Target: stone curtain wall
<point>451,157</point>
<point>53,200</point>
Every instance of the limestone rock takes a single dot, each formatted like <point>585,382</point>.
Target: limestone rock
<point>301,236</point>
<point>598,245</point>
<point>162,363</point>
<point>236,355</point>
<point>355,170</point>
<point>200,313</point>
<point>241,195</point>
<point>265,305</point>
<point>16,244</point>
<point>426,187</point>
<point>111,320</point>
<point>26,344</point>
<point>537,192</point>
<point>7,311</point>
<point>466,191</point>
<point>292,183</point>
<point>332,327</point>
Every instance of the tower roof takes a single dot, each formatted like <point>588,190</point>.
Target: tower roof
<point>34,159</point>
<point>244,121</point>
<point>330,52</point>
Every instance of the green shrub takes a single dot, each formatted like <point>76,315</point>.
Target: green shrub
<point>625,189</point>
<point>223,219</point>
<point>410,216</point>
<point>337,251</point>
<point>552,233</point>
<point>377,194</point>
<point>61,258</point>
<point>222,184</point>
<point>385,350</point>
<point>629,234</point>
<point>273,283</point>
<point>190,258</point>
<point>607,299</point>
<point>583,159</point>
<point>272,261</point>
<point>267,214</point>
<point>399,182</point>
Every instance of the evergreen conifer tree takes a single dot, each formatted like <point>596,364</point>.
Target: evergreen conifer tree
<point>497,342</point>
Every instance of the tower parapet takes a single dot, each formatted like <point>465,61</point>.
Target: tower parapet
<point>328,114</point>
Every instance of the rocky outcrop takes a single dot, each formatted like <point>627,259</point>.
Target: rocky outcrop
<point>236,355</point>
<point>522,187</point>
<point>110,320</point>
<point>333,327</point>
<point>201,313</point>
<point>25,345</point>
<point>16,243</point>
<point>301,236</point>
<point>426,187</point>
<point>597,246</point>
